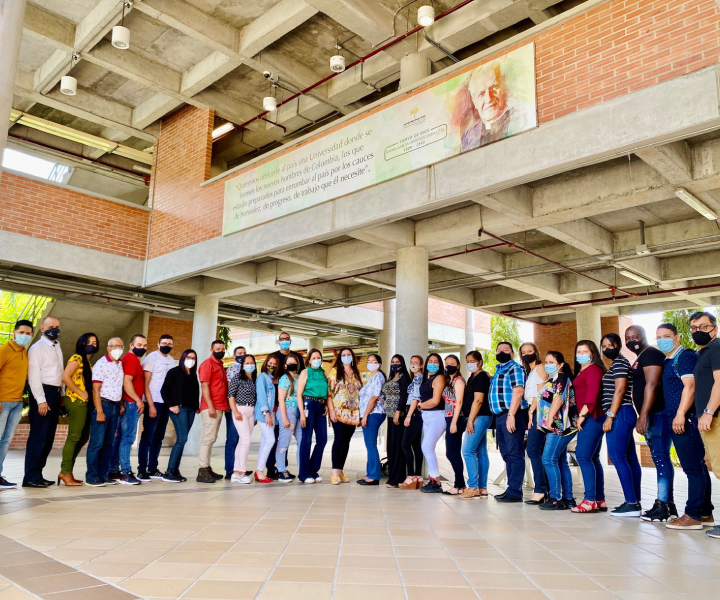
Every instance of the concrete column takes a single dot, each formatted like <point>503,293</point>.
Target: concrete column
<point>411,335</point>
<point>588,323</point>
<point>413,68</point>
<point>12,14</point>
<point>387,335</point>
<point>469,345</point>
<point>315,342</point>
<point>205,324</point>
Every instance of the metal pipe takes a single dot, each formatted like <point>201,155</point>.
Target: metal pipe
<point>447,53</point>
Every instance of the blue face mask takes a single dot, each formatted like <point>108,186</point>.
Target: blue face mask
<point>551,369</point>
<point>249,368</point>
<point>582,359</point>
<point>665,345</point>
<point>346,360</point>
<point>284,345</point>
<point>432,368</point>
<point>22,339</point>
<point>316,364</point>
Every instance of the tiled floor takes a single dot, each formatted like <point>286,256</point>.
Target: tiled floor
<point>322,542</point>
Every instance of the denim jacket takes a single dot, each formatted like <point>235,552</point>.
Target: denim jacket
<point>265,396</point>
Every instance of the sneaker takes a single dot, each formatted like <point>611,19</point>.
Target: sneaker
<point>179,474</point>
<point>309,480</point>
<point>318,479</point>
<point>204,476</point>
<point>129,479</point>
<point>432,487</point>
<point>284,477</point>
<point>673,511</point>
<point>685,522</point>
<point>109,481</point>
<point>245,479</point>
<point>114,475</point>
<point>143,475</point>
<point>708,521</point>
<point>172,477</point>
<point>6,485</point>
<point>659,513</point>
<point>290,475</point>
<point>235,478</point>
<point>156,474</point>
<point>626,510</point>
<point>95,483</point>
<point>714,532</point>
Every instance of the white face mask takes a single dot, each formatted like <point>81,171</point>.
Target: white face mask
<point>189,363</point>
<point>415,368</point>
<point>472,367</point>
<point>116,353</point>
<point>373,366</point>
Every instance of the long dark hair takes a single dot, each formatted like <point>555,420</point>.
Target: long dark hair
<point>243,374</point>
<point>340,367</point>
<point>86,366</point>
<point>558,356</point>
<point>403,367</point>
<point>278,369</point>
<point>478,359</point>
<point>181,364</point>
<point>526,367</point>
<point>595,354</point>
<point>379,359</point>
<point>441,370</point>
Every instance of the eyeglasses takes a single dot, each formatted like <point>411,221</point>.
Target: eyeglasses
<point>703,328</point>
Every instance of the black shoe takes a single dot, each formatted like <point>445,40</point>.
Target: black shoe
<point>284,477</point>
<point>143,476</point>
<point>109,481</point>
<point>569,502</point>
<point>366,482</point>
<point>35,484</point>
<point>156,474</point>
<point>673,511</point>
<point>180,475</point>
<point>204,476</point>
<point>627,510</point>
<point>6,485</point>
<point>531,502</point>
<point>290,475</point>
<point>272,474</point>
<point>172,476</point>
<point>659,513</point>
<point>553,504</point>
<point>432,487</point>
<point>498,496</point>
<point>48,482</point>
<point>509,498</point>
<point>115,475</point>
<point>95,483</point>
<point>228,476</point>
<point>128,479</point>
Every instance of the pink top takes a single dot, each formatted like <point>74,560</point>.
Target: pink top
<point>588,390</point>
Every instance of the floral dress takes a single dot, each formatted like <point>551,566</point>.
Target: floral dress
<point>565,421</point>
<point>346,398</point>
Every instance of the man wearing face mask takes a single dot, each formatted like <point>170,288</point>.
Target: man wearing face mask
<point>507,388</point>
<point>231,434</point>
<point>45,369</point>
<point>704,330</point>
<point>108,378</point>
<point>13,374</point>
<point>214,403</point>
<point>649,401</point>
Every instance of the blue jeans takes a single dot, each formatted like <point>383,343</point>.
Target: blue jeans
<point>622,453</point>
<point>9,419</point>
<point>512,450</point>
<point>535,445</point>
<point>127,432</point>
<point>315,421</point>
<point>182,422</point>
<point>556,465</point>
<point>659,441</point>
<point>102,435</point>
<point>231,442</point>
<point>285,437</point>
<point>691,452</point>
<point>370,435</point>
<point>475,454</point>
<point>587,453</point>
<point>152,437</point>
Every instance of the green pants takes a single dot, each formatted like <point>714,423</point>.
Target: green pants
<point>78,433</point>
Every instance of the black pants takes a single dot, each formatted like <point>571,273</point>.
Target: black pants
<point>395,455</point>
<point>341,444</point>
<point>411,445</point>
<point>270,464</point>
<point>512,450</point>
<point>42,434</point>
<point>453,450</point>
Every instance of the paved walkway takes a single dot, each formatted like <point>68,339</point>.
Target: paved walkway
<point>323,542</point>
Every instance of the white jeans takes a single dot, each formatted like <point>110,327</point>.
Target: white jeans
<point>267,441</point>
<point>433,429</point>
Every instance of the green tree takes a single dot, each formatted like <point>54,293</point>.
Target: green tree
<point>14,306</point>
<point>681,320</point>
<point>502,329</point>
<point>224,335</point>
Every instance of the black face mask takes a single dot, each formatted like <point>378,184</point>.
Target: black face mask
<point>166,349</point>
<point>635,347</point>
<point>139,352</point>
<point>271,370</point>
<point>611,353</point>
<point>702,338</point>
<point>53,333</point>
<point>529,358</point>
<point>451,369</point>
<point>239,359</point>
<point>395,368</point>
<point>90,349</point>
<point>218,355</point>
<point>292,367</point>
<point>503,357</point>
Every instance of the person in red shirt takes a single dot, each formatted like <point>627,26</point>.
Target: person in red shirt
<point>589,371</point>
<point>214,403</point>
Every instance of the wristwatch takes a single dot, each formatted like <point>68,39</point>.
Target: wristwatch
<point>707,411</point>
<point>265,412</point>
<point>610,414</point>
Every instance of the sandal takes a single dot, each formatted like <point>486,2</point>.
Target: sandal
<point>483,493</point>
<point>585,507</point>
<point>602,506</point>
<point>450,492</point>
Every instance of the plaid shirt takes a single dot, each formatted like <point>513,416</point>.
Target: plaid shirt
<point>507,376</point>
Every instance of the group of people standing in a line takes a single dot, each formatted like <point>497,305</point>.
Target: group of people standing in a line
<point>668,394</point>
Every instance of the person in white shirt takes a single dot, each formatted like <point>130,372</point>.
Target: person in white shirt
<point>156,415</point>
<point>108,378</point>
<point>45,369</point>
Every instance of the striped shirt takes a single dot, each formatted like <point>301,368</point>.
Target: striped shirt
<point>619,369</point>
<point>507,376</point>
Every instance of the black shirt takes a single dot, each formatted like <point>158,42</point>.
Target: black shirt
<point>427,392</point>
<point>181,389</point>
<point>281,358</point>
<point>708,363</point>
<point>478,383</point>
<point>650,357</point>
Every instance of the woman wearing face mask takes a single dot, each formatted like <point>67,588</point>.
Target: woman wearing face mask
<point>455,422</point>
<point>412,436</point>
<point>474,448</point>
<point>372,411</point>
<point>535,377</point>
<point>313,389</point>
<point>589,371</point>
<point>395,392</point>
<point>619,424</point>
<point>242,394</point>
<point>557,414</point>
<point>432,407</point>
<point>181,392</point>
<point>343,409</point>
<point>265,414</point>
<point>289,418</point>
<point>77,378</point>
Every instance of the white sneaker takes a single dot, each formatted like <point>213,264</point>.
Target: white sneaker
<point>318,479</point>
<point>236,478</point>
<point>245,479</point>
<point>309,480</point>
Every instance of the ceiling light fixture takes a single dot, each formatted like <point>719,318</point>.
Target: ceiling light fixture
<point>694,202</point>
<point>384,286</point>
<point>68,84</point>
<point>337,62</point>
<point>301,298</point>
<point>222,130</point>
<point>270,103</point>
<point>635,277</point>
<point>120,33</point>
<point>426,15</point>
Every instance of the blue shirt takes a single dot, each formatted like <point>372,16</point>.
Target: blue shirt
<point>677,367</point>
<point>507,376</point>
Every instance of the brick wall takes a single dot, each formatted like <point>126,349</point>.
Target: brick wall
<point>563,336</point>
<point>179,329</point>
<point>57,214</point>
<point>20,438</point>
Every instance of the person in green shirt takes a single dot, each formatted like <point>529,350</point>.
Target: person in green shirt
<point>312,387</point>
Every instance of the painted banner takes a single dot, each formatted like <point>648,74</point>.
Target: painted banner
<point>484,104</point>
